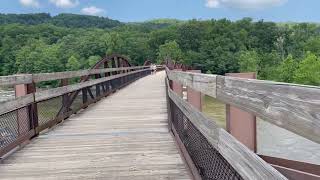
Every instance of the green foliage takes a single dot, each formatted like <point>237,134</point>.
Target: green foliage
<point>63,20</point>
<point>93,60</point>
<point>248,61</point>
<point>286,70</point>
<point>308,71</point>
<point>313,45</point>
<point>73,63</point>
<point>32,43</point>
<point>170,50</point>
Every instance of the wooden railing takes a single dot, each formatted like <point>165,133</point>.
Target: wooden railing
<point>290,106</point>
<point>34,111</point>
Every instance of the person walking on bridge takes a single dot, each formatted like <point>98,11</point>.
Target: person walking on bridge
<point>153,69</point>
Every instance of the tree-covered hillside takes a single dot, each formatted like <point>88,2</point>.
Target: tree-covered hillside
<point>41,43</point>
<point>63,20</point>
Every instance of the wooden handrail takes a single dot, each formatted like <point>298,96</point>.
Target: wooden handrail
<point>40,77</point>
<point>23,101</point>
<point>17,103</point>
<point>51,93</point>
<point>290,106</point>
<point>244,161</point>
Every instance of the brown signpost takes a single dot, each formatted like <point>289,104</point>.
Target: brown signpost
<point>241,124</point>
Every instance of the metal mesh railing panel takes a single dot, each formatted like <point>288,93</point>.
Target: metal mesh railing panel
<point>12,125</point>
<point>209,162</point>
<point>77,103</point>
<point>48,110</point>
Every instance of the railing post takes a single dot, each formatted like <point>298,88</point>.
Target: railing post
<point>97,76</point>
<point>169,109</point>
<point>241,124</point>
<point>177,87</point>
<point>84,97</point>
<point>194,97</point>
<point>65,98</point>
<point>28,116</point>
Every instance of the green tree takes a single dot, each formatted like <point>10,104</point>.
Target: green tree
<point>93,60</point>
<point>170,50</point>
<point>248,61</point>
<point>308,71</point>
<point>313,45</point>
<point>286,70</point>
<point>73,63</point>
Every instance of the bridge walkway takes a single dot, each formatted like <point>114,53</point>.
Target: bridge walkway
<point>123,136</point>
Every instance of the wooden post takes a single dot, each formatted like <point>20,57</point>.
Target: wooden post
<point>65,98</point>
<point>241,124</point>
<point>97,76</point>
<point>84,96</point>
<point>177,87</point>
<point>27,118</point>
<point>105,65</point>
<point>194,97</point>
<point>113,65</point>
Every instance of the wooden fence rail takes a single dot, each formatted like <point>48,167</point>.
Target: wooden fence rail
<point>40,77</point>
<point>32,112</point>
<point>290,106</point>
<point>244,161</point>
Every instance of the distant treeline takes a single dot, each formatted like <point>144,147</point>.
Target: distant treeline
<point>280,52</point>
<point>63,20</point>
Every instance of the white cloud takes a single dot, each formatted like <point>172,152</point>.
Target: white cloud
<point>92,10</point>
<point>244,4</point>
<point>30,3</point>
<point>212,3</point>
<point>65,3</point>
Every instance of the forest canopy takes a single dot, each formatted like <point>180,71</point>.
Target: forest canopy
<point>31,43</point>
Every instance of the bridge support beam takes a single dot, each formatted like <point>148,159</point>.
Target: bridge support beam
<point>241,124</point>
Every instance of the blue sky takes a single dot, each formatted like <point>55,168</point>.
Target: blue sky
<point>141,10</point>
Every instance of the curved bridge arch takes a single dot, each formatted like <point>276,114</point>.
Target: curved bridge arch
<point>109,61</point>
<point>116,61</point>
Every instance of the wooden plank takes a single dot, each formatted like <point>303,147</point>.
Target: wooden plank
<point>71,74</point>
<point>292,107</point>
<point>293,174</point>
<point>51,93</point>
<point>132,143</point>
<point>15,79</point>
<point>200,82</point>
<point>244,161</point>
<point>59,75</point>
<point>17,103</point>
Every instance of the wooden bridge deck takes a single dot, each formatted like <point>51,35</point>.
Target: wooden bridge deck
<point>124,136</point>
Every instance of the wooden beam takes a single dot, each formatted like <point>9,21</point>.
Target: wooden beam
<point>15,79</point>
<point>244,161</point>
<point>51,93</point>
<point>71,74</point>
<point>200,82</point>
<point>17,103</point>
<point>290,106</point>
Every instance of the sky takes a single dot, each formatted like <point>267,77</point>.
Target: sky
<point>142,10</point>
